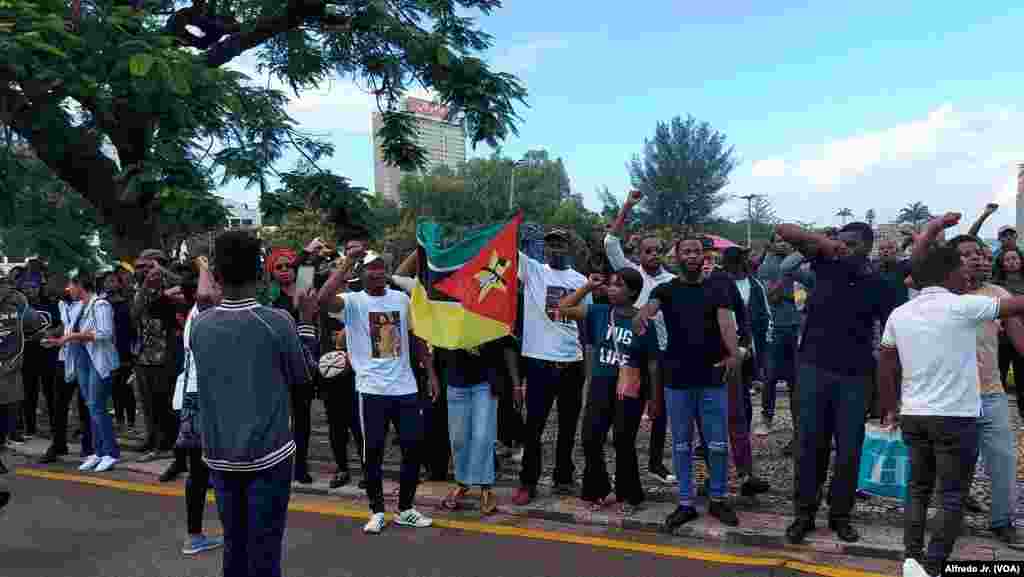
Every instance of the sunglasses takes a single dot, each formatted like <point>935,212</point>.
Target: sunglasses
<point>283,267</point>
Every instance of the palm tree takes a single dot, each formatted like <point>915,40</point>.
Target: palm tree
<point>844,213</point>
<point>915,214</point>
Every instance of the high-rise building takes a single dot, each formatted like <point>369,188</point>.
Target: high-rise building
<point>443,140</point>
<point>1020,195</point>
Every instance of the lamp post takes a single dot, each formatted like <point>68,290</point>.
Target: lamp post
<point>750,214</point>
<point>512,184</point>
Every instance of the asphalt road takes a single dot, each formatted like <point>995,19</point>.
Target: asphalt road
<point>62,527</point>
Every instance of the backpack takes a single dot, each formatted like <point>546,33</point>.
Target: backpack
<point>12,330</point>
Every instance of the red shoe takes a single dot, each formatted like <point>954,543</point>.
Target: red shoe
<point>523,496</point>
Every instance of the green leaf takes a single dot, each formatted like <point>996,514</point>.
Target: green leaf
<point>179,82</point>
<point>442,56</point>
<point>140,64</point>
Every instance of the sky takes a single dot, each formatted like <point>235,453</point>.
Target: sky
<point>828,105</point>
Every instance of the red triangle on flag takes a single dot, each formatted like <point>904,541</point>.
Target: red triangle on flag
<point>487,283</point>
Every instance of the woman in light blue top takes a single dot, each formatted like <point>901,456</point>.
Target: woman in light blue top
<point>92,356</point>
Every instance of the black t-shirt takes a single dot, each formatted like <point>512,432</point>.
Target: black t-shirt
<point>466,368</point>
<point>848,297</point>
<point>694,337</point>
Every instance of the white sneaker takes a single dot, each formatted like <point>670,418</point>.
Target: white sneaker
<point>90,462</point>
<point>375,524</point>
<point>106,463</point>
<point>911,568</point>
<point>413,518</point>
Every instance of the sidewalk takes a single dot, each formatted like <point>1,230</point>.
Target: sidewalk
<point>759,529</point>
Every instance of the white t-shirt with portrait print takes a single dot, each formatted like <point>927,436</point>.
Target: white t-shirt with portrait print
<point>546,335</point>
<point>377,335</point>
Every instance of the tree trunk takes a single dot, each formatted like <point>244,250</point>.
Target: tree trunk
<point>136,230</point>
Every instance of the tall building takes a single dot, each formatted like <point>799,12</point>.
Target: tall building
<point>241,215</point>
<point>444,141</point>
<point>1020,195</point>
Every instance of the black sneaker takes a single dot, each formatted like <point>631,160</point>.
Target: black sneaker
<point>797,532</point>
<point>341,479</point>
<point>679,517</point>
<point>659,472</point>
<point>845,531</point>
<point>171,473</point>
<point>1009,536</point>
<point>566,489</point>
<point>303,478</point>
<point>50,456</point>
<point>754,486</point>
<point>362,483</point>
<point>5,498</point>
<point>722,511</point>
<point>3,468</point>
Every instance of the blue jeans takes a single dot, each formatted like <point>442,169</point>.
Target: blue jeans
<point>253,509</point>
<point>781,361</point>
<point>829,403</point>
<point>96,391</point>
<point>473,430</point>
<point>683,406</point>
<point>996,444</point>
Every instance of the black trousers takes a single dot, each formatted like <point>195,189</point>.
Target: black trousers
<point>302,408</point>
<point>196,486</point>
<point>405,412</point>
<point>1008,356</point>
<point>123,395</point>
<point>63,392</point>
<point>659,427</point>
<point>511,429</point>
<point>340,401</point>
<point>941,452</point>
<point>437,445</point>
<point>547,382</point>
<point>605,410</point>
<point>156,388</point>
<point>38,372</point>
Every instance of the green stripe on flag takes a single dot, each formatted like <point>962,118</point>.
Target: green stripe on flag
<point>430,233</point>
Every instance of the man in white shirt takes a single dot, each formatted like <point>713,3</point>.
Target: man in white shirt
<point>654,274</point>
<point>377,337</point>
<point>929,346</point>
<point>554,362</point>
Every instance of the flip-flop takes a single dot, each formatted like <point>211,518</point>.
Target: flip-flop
<point>451,500</point>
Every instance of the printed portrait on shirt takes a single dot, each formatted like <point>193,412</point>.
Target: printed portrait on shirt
<point>385,341</point>
<point>554,295</point>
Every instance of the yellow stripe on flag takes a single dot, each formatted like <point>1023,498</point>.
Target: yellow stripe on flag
<point>449,326</point>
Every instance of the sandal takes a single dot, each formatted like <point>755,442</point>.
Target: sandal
<point>599,504</point>
<point>488,502</point>
<point>451,500</point>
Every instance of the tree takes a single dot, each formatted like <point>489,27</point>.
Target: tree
<point>869,216</point>
<point>844,213</point>
<point>340,205</point>
<point>762,211</point>
<point>915,214</point>
<point>129,98</point>
<point>682,172</point>
<point>297,229</point>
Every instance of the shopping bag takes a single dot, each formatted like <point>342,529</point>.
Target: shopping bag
<point>884,464</point>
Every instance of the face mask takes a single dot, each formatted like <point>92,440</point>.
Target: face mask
<point>560,261</point>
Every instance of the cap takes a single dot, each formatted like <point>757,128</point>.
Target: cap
<point>1007,228</point>
<point>560,233</point>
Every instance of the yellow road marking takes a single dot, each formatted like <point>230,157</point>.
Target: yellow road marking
<point>337,510</point>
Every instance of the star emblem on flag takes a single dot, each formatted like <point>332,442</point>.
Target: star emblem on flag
<point>492,276</point>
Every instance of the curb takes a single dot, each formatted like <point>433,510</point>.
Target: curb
<point>764,530</point>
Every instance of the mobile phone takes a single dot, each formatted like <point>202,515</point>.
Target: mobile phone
<point>304,280</point>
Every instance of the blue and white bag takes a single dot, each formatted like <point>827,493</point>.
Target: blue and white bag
<point>884,464</point>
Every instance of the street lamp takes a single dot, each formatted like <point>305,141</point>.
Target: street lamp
<point>750,214</point>
<point>512,183</point>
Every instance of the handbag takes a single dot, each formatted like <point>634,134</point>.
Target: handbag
<point>628,384</point>
<point>884,464</point>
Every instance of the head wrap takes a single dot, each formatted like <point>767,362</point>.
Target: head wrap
<point>275,255</point>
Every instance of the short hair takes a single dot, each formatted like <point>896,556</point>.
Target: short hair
<point>633,280</point>
<point>935,266</point>
<point>863,229</point>
<point>85,279</point>
<point>237,254</point>
<point>960,239</point>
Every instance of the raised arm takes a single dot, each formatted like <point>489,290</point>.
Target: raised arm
<point>207,291</point>
<point>805,239</point>
<point>330,296</point>
<point>571,306</point>
<point>409,265</point>
<point>990,209</point>
<point>613,240</point>
<point>932,230</point>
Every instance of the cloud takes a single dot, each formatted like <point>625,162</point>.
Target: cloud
<point>949,158</point>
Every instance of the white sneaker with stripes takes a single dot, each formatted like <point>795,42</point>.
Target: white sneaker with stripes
<point>376,524</point>
<point>413,518</point>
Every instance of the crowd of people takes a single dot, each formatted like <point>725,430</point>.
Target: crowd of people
<point>228,352</point>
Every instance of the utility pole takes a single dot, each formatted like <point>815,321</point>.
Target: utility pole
<point>750,212</point>
<point>512,184</point>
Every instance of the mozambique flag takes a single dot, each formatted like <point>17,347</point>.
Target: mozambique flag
<point>465,294</point>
